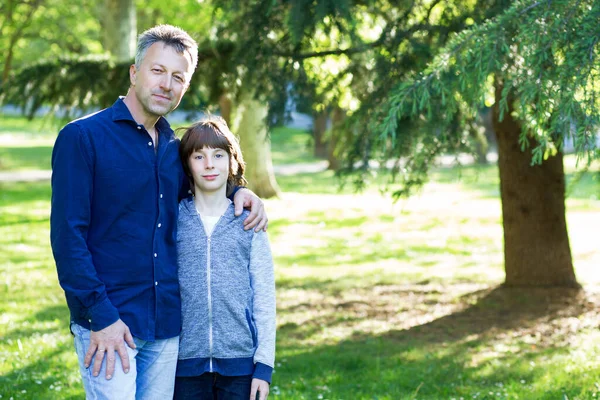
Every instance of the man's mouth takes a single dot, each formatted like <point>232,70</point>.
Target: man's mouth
<point>210,177</point>
<point>162,97</point>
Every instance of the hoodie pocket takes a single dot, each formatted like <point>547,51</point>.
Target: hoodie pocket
<point>251,327</point>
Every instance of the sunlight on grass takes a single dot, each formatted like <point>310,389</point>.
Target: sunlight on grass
<point>376,299</point>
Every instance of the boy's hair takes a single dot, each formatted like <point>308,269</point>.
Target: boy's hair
<point>214,133</point>
<point>171,36</point>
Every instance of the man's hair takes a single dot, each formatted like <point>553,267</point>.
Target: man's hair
<point>171,36</point>
<point>214,133</point>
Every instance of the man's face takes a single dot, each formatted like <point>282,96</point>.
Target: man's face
<point>161,80</point>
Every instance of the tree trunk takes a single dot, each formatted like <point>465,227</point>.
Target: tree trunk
<point>17,34</point>
<point>536,242</point>
<point>226,107</point>
<point>8,62</point>
<point>337,118</point>
<point>119,28</point>
<point>256,145</point>
<point>480,143</point>
<point>319,128</point>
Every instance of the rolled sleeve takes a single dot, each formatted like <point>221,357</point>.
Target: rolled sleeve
<point>72,188</point>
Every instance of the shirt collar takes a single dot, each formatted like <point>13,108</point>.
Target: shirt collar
<point>120,112</point>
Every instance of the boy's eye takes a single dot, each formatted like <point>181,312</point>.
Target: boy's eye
<point>219,155</point>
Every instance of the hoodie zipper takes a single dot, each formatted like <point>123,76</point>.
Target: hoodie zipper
<point>210,324</point>
<point>209,291</point>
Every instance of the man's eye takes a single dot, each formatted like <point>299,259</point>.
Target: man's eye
<point>179,78</point>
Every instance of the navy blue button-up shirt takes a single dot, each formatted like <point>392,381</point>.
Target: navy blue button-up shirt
<point>113,222</point>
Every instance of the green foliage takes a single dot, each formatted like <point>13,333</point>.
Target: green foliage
<point>73,84</point>
<point>38,29</point>
<point>540,56</point>
<point>76,85</point>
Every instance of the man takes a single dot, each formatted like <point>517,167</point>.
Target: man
<point>116,183</point>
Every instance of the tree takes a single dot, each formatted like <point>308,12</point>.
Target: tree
<point>31,30</point>
<point>119,28</point>
<point>533,61</point>
<point>539,61</point>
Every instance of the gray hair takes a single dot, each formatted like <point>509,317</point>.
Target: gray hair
<point>171,36</point>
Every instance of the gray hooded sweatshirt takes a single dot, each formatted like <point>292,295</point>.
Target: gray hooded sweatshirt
<point>227,296</point>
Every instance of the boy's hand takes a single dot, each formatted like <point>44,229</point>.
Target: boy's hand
<point>261,386</point>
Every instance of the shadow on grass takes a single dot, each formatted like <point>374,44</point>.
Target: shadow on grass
<point>18,193</point>
<point>497,310</point>
<point>20,219</point>
<point>339,251</point>
<point>436,360</point>
<point>44,377</point>
<point>59,313</point>
<point>25,158</point>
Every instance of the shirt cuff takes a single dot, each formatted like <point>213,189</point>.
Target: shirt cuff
<point>102,315</point>
<point>263,372</point>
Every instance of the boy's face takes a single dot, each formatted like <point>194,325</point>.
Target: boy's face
<point>210,169</point>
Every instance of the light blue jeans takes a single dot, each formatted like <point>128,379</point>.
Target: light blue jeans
<point>151,373</point>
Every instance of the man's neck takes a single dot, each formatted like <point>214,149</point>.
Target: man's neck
<point>138,114</point>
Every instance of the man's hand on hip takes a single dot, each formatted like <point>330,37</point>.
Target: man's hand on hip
<point>106,342</point>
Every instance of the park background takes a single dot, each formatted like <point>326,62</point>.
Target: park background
<point>415,158</point>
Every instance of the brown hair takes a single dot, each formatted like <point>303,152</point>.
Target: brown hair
<point>213,132</point>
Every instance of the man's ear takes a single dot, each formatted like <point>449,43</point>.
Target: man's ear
<point>132,74</point>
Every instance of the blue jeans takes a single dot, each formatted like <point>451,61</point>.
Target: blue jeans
<point>212,386</point>
<point>151,373</point>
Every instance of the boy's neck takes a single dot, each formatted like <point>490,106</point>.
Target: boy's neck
<point>212,204</point>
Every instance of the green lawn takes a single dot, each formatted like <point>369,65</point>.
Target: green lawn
<point>376,299</point>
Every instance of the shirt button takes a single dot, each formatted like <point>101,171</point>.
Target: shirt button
<point>159,224</point>
<point>161,195</point>
<point>155,255</point>
<point>149,143</point>
<point>156,283</point>
<point>139,127</point>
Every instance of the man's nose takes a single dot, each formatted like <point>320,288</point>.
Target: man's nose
<point>208,164</point>
<point>166,82</point>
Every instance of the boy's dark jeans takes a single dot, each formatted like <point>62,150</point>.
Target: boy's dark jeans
<point>212,386</point>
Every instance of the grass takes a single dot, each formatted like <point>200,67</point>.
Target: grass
<point>291,146</point>
<point>376,299</point>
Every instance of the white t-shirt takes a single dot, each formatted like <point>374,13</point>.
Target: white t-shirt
<point>209,223</point>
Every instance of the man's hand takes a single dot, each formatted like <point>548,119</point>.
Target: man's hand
<point>261,386</point>
<point>107,341</point>
<point>245,198</point>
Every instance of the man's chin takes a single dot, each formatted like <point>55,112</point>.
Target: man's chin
<point>160,111</point>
